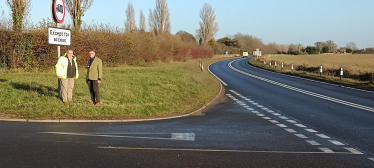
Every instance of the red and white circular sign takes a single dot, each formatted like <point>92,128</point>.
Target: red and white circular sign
<point>59,10</point>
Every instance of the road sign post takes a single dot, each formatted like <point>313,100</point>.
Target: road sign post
<point>58,15</point>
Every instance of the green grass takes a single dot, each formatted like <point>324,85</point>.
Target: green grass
<point>126,92</point>
<point>287,70</point>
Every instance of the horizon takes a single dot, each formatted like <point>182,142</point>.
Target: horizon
<point>286,22</point>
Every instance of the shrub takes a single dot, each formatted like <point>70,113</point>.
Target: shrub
<point>325,49</point>
<point>312,50</point>
<point>348,50</point>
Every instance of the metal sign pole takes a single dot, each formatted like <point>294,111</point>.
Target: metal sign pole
<point>58,56</point>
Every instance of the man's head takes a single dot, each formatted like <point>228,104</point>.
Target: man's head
<point>92,54</point>
<point>69,53</point>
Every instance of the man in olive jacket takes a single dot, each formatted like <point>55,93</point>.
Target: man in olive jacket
<point>93,78</point>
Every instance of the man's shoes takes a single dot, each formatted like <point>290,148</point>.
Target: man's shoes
<point>97,104</point>
<point>65,103</point>
<point>91,102</point>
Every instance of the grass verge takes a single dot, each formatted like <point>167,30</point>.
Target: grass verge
<point>126,92</point>
<point>345,81</point>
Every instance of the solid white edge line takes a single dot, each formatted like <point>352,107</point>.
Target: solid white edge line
<point>304,91</point>
<point>297,77</point>
<point>216,76</point>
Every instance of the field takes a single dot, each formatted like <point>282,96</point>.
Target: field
<point>126,92</point>
<point>356,63</point>
<point>358,68</point>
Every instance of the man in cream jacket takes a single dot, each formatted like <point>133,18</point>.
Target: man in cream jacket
<point>67,70</point>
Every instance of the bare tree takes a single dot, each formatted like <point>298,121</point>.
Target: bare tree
<point>352,46</point>
<point>142,25</point>
<point>76,9</point>
<point>186,37</point>
<point>151,22</point>
<point>161,17</point>
<point>20,9</point>
<point>332,46</point>
<point>320,45</point>
<point>130,24</point>
<point>208,26</point>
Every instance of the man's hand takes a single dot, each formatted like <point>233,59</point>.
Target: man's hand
<point>86,81</point>
<point>59,77</point>
<point>99,81</point>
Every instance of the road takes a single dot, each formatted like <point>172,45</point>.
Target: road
<point>267,120</point>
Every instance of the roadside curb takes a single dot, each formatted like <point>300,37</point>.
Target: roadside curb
<point>113,121</point>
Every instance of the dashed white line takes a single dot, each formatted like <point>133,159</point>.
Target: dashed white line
<point>282,125</point>
<point>305,91</point>
<point>283,117</point>
<point>323,136</point>
<point>250,109</point>
<point>354,151</point>
<point>301,136</point>
<point>292,121</point>
<point>300,125</point>
<point>290,130</point>
<point>326,150</point>
<point>261,115</point>
<point>311,130</point>
<point>335,142</point>
<point>372,159</point>
<point>274,121</point>
<point>246,106</point>
<point>266,118</point>
<point>312,142</point>
<point>256,112</point>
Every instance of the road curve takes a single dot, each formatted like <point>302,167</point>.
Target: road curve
<point>341,113</point>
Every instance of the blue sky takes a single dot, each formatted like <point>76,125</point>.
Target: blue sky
<point>280,21</point>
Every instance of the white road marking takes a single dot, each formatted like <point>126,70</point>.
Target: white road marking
<point>270,111</point>
<point>323,136</point>
<point>292,121</point>
<point>372,159</point>
<point>301,136</point>
<point>174,136</point>
<point>276,114</point>
<point>326,150</point>
<point>256,112</point>
<point>274,121</point>
<point>264,109</point>
<point>283,117</point>
<point>282,125</point>
<point>290,130</point>
<point>216,76</point>
<point>305,91</point>
<point>260,106</point>
<point>312,142</point>
<point>354,151</point>
<point>310,80</point>
<point>266,118</point>
<point>300,125</point>
<point>261,115</point>
<point>250,109</point>
<point>246,106</point>
<point>214,150</point>
<point>335,142</point>
<point>311,130</point>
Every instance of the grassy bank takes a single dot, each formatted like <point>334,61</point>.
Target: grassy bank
<point>323,77</point>
<point>126,92</point>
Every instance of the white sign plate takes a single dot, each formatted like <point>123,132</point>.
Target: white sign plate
<point>245,54</point>
<point>57,36</point>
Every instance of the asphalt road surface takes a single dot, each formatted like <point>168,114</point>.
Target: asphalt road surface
<point>267,120</point>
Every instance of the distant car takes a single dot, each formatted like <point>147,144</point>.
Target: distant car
<point>59,9</point>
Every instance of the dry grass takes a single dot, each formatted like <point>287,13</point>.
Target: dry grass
<point>355,63</point>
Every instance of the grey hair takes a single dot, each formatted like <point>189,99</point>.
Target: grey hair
<point>69,50</point>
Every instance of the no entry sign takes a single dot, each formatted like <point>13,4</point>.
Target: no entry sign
<point>58,10</point>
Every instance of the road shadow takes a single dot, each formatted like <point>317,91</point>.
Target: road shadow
<point>36,87</point>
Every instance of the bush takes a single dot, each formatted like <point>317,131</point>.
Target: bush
<point>31,50</point>
<point>325,49</point>
<point>349,50</point>
<point>312,50</point>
